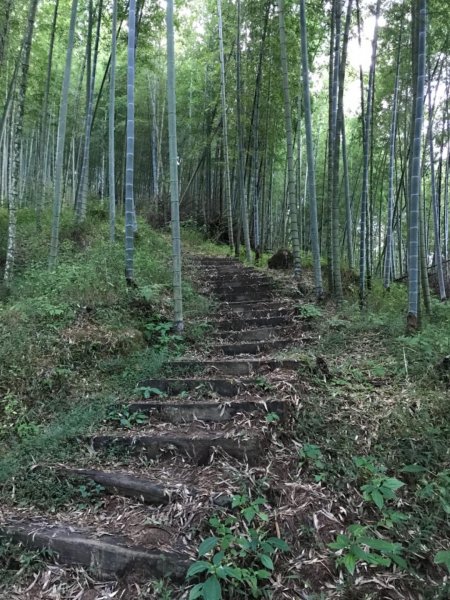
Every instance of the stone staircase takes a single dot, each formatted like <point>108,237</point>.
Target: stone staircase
<point>209,415</point>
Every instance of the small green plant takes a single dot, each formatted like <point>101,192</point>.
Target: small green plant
<point>91,493</point>
<point>443,558</point>
<point>435,490</point>
<point>148,392</point>
<point>272,417</point>
<point>380,489</point>
<point>160,334</point>
<point>127,419</point>
<point>357,545</point>
<point>264,384</point>
<point>238,558</point>
<point>310,311</point>
<point>15,560</point>
<point>311,455</point>
<point>28,429</point>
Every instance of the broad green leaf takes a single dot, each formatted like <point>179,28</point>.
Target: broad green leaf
<point>217,558</point>
<point>393,484</point>
<point>350,563</point>
<point>377,559</point>
<point>358,552</point>
<point>207,545</point>
<point>196,592</point>
<point>266,561</point>
<point>278,543</point>
<point>198,567</point>
<point>262,574</point>
<point>356,529</point>
<point>413,469</point>
<point>400,561</point>
<point>212,590</point>
<point>237,501</point>
<point>377,498</point>
<point>342,541</point>
<point>381,545</point>
<point>233,572</point>
<point>443,558</point>
<point>249,514</point>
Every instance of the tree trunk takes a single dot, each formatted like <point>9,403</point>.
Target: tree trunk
<point>240,158</point>
<point>111,137</point>
<point>365,184</point>
<point>315,245</point>
<point>62,124</point>
<point>289,144</point>
<point>17,136</point>
<point>223,97</point>
<point>129,165</point>
<point>416,168</point>
<point>173,152</point>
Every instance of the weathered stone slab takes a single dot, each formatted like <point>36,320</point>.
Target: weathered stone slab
<point>223,387</point>
<point>257,347</point>
<point>107,556</point>
<point>236,367</point>
<point>235,324</point>
<point>198,447</point>
<point>218,412</point>
<point>123,484</point>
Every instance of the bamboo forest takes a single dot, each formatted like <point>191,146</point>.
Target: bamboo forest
<point>224,328</point>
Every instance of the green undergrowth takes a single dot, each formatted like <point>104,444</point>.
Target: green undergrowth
<point>375,433</point>
<point>76,341</point>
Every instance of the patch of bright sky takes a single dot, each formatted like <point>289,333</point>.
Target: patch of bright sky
<point>359,56</point>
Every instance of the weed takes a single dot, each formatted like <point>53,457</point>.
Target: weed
<point>15,560</point>
<point>263,384</point>
<point>160,334</point>
<point>443,558</point>
<point>239,557</point>
<point>310,311</point>
<point>360,545</point>
<point>127,419</point>
<point>311,455</point>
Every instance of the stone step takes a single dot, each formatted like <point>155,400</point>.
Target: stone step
<point>236,281</point>
<point>196,443</point>
<point>123,484</point>
<point>251,289</point>
<point>250,307</point>
<point>256,314</point>
<point>258,347</point>
<point>235,367</point>
<point>235,324</point>
<point>223,387</point>
<point>261,334</point>
<point>249,295</point>
<point>209,411</point>
<point>105,555</point>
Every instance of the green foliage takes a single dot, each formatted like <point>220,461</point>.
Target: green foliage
<point>46,489</point>
<point>311,455</point>
<point>359,545</point>
<point>379,487</point>
<point>310,311</point>
<point>443,558</point>
<point>161,335</point>
<point>263,384</point>
<point>239,557</point>
<point>127,419</point>
<point>16,561</point>
<point>272,417</point>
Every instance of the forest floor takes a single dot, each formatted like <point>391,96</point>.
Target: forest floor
<point>357,480</point>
